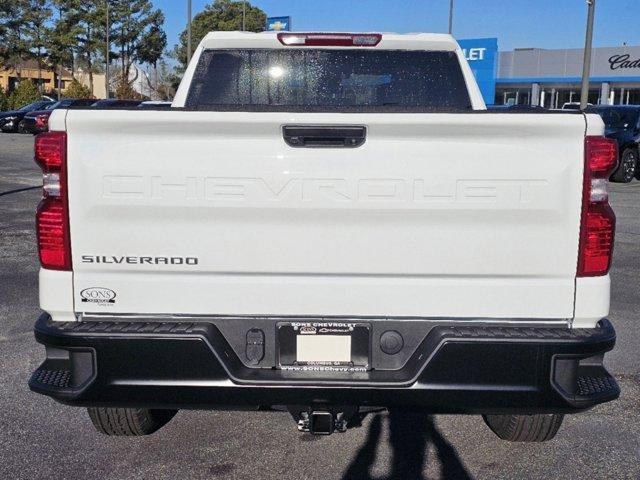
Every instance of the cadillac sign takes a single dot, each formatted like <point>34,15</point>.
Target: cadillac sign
<point>623,61</point>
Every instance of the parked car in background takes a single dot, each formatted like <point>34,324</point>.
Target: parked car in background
<point>622,124</point>
<point>38,120</point>
<point>9,121</point>
<point>116,103</point>
<point>574,106</point>
<point>153,104</point>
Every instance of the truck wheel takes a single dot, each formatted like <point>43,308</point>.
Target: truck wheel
<point>628,166</point>
<point>524,428</point>
<point>129,421</point>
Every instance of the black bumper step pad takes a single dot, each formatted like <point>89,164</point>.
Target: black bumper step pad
<point>53,378</point>
<point>591,386</point>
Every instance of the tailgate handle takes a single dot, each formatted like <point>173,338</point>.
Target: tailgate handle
<point>324,136</point>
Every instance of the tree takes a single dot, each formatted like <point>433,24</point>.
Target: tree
<point>7,19</point>
<point>14,47</point>
<point>220,15</point>
<point>89,19</point>
<point>78,90</point>
<point>24,32</point>
<point>26,92</point>
<point>153,42</point>
<point>164,88</point>
<point>67,33</point>
<point>124,90</point>
<point>62,37</point>
<point>36,18</point>
<point>134,22</point>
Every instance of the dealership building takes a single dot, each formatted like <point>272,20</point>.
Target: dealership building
<point>536,76</point>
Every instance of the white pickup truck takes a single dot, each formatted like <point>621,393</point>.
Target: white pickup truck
<point>329,225</point>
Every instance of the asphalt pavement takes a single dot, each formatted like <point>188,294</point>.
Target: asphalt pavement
<point>40,438</point>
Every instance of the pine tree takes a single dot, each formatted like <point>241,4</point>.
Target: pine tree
<point>8,16</point>
<point>36,18</point>
<point>7,13</point>
<point>152,46</point>
<point>14,49</point>
<point>62,37</point>
<point>89,17</point>
<point>134,22</point>
<point>77,90</point>
<point>26,92</point>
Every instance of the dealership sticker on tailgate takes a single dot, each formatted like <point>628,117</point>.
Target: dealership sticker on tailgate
<point>99,295</point>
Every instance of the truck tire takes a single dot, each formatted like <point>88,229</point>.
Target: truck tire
<point>628,167</point>
<point>524,428</point>
<point>129,422</point>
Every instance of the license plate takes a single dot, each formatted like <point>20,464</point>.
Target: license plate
<point>323,346</point>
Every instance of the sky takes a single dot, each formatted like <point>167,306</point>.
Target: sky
<point>516,23</point>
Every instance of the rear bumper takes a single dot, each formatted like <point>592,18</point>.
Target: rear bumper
<point>457,368</point>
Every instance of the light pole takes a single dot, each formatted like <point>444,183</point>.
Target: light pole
<point>188,30</point>
<point>107,53</point>
<point>244,14</point>
<point>586,65</point>
<point>450,17</point>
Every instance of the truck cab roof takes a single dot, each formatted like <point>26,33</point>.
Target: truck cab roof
<point>405,41</point>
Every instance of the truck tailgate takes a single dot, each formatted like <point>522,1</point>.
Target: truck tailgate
<point>435,215</point>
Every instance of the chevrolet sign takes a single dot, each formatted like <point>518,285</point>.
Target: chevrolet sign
<point>278,24</point>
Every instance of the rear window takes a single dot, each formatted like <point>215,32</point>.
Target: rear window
<point>328,80</point>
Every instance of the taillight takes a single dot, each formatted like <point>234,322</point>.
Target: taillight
<point>42,120</point>
<point>52,215</point>
<point>51,151</point>
<point>330,39</point>
<point>598,221</point>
